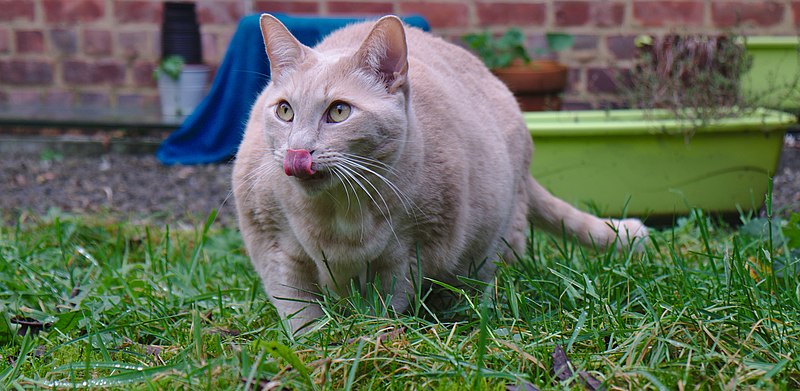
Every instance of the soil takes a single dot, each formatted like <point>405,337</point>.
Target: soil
<point>139,188</point>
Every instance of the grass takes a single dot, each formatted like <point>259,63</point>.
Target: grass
<point>120,306</point>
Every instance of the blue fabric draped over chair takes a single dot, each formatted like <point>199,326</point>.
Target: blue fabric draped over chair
<point>212,132</point>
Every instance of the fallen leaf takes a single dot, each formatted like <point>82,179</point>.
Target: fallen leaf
<point>561,364</point>
<point>562,368</point>
<point>26,324</point>
<point>522,387</point>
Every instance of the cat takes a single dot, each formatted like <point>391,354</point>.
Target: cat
<point>381,146</point>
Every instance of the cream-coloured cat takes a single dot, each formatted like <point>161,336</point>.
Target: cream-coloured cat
<point>380,145</point>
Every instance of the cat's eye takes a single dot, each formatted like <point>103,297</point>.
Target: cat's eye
<point>338,112</point>
<point>284,111</point>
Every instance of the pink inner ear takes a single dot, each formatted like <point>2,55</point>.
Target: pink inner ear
<point>384,49</point>
<point>298,163</point>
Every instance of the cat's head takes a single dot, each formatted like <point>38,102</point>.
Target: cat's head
<point>339,114</point>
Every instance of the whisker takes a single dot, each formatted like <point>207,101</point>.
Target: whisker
<point>371,162</point>
<point>388,214</point>
<point>346,177</point>
<point>399,193</point>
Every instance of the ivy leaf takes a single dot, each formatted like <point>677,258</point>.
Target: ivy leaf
<point>557,42</point>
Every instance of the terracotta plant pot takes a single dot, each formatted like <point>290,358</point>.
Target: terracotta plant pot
<point>537,85</point>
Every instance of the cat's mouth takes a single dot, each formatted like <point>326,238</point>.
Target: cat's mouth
<point>298,163</point>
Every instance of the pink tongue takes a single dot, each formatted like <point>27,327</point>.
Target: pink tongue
<point>298,163</point>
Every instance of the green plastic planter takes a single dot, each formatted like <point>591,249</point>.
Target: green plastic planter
<point>774,79</point>
<point>641,163</point>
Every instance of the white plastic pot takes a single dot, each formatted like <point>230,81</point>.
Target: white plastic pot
<point>180,97</point>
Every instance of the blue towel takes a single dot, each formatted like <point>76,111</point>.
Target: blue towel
<point>213,131</point>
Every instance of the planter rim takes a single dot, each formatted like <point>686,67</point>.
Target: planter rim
<point>772,42</point>
<point>634,122</point>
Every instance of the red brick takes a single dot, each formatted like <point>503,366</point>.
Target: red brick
<point>58,97</point>
<point>607,14</point>
<point>26,72</point>
<point>143,74</point>
<point>669,13</point>
<point>138,11</point>
<point>359,8</point>
<point>582,42</point>
<point>93,99</point>
<point>97,42</point>
<point>439,15</point>
<point>621,46</point>
<point>5,40</point>
<point>796,12</point>
<point>297,7</point>
<point>65,41</point>
<point>134,44</point>
<point>77,72</point>
<point>510,14</point>
<point>734,13</point>
<point>137,100</point>
<point>21,97</point>
<point>572,13</point>
<point>106,72</point>
<point>209,42</point>
<point>72,11</point>
<point>575,105</point>
<point>29,41</point>
<point>17,10</point>
<point>573,80</point>
<point>602,80</point>
<point>219,12</point>
<point>110,72</point>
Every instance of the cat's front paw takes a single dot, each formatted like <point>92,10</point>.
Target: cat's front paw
<point>631,233</point>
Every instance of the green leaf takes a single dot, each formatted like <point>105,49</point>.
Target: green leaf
<point>6,332</point>
<point>171,66</point>
<point>557,42</point>
<point>279,350</point>
<point>643,40</point>
<point>792,231</point>
<point>67,321</point>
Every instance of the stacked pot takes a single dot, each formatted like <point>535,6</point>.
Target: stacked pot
<point>180,36</point>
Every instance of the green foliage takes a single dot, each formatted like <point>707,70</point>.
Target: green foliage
<point>171,66</point>
<point>500,52</point>
<point>137,307</point>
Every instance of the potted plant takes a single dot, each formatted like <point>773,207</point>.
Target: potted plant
<point>693,142</point>
<point>181,75</point>
<point>181,86</point>
<point>537,84</point>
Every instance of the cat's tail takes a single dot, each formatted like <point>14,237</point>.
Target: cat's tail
<point>558,218</point>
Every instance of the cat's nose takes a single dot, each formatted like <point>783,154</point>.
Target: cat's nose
<point>298,163</point>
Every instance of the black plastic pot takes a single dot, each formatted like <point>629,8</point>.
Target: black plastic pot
<point>180,32</point>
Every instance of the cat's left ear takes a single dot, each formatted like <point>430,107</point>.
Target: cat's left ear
<point>384,52</point>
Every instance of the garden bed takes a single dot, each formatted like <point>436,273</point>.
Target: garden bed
<point>141,187</point>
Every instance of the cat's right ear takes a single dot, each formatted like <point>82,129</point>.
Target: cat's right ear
<point>283,49</point>
<point>385,52</point>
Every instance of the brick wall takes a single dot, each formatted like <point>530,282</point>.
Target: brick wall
<point>102,52</point>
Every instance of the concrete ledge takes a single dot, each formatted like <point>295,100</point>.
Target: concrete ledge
<point>136,120</point>
<point>76,145</point>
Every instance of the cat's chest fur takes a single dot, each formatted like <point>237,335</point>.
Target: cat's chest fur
<point>339,230</point>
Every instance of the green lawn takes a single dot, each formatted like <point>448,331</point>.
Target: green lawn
<point>122,306</point>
